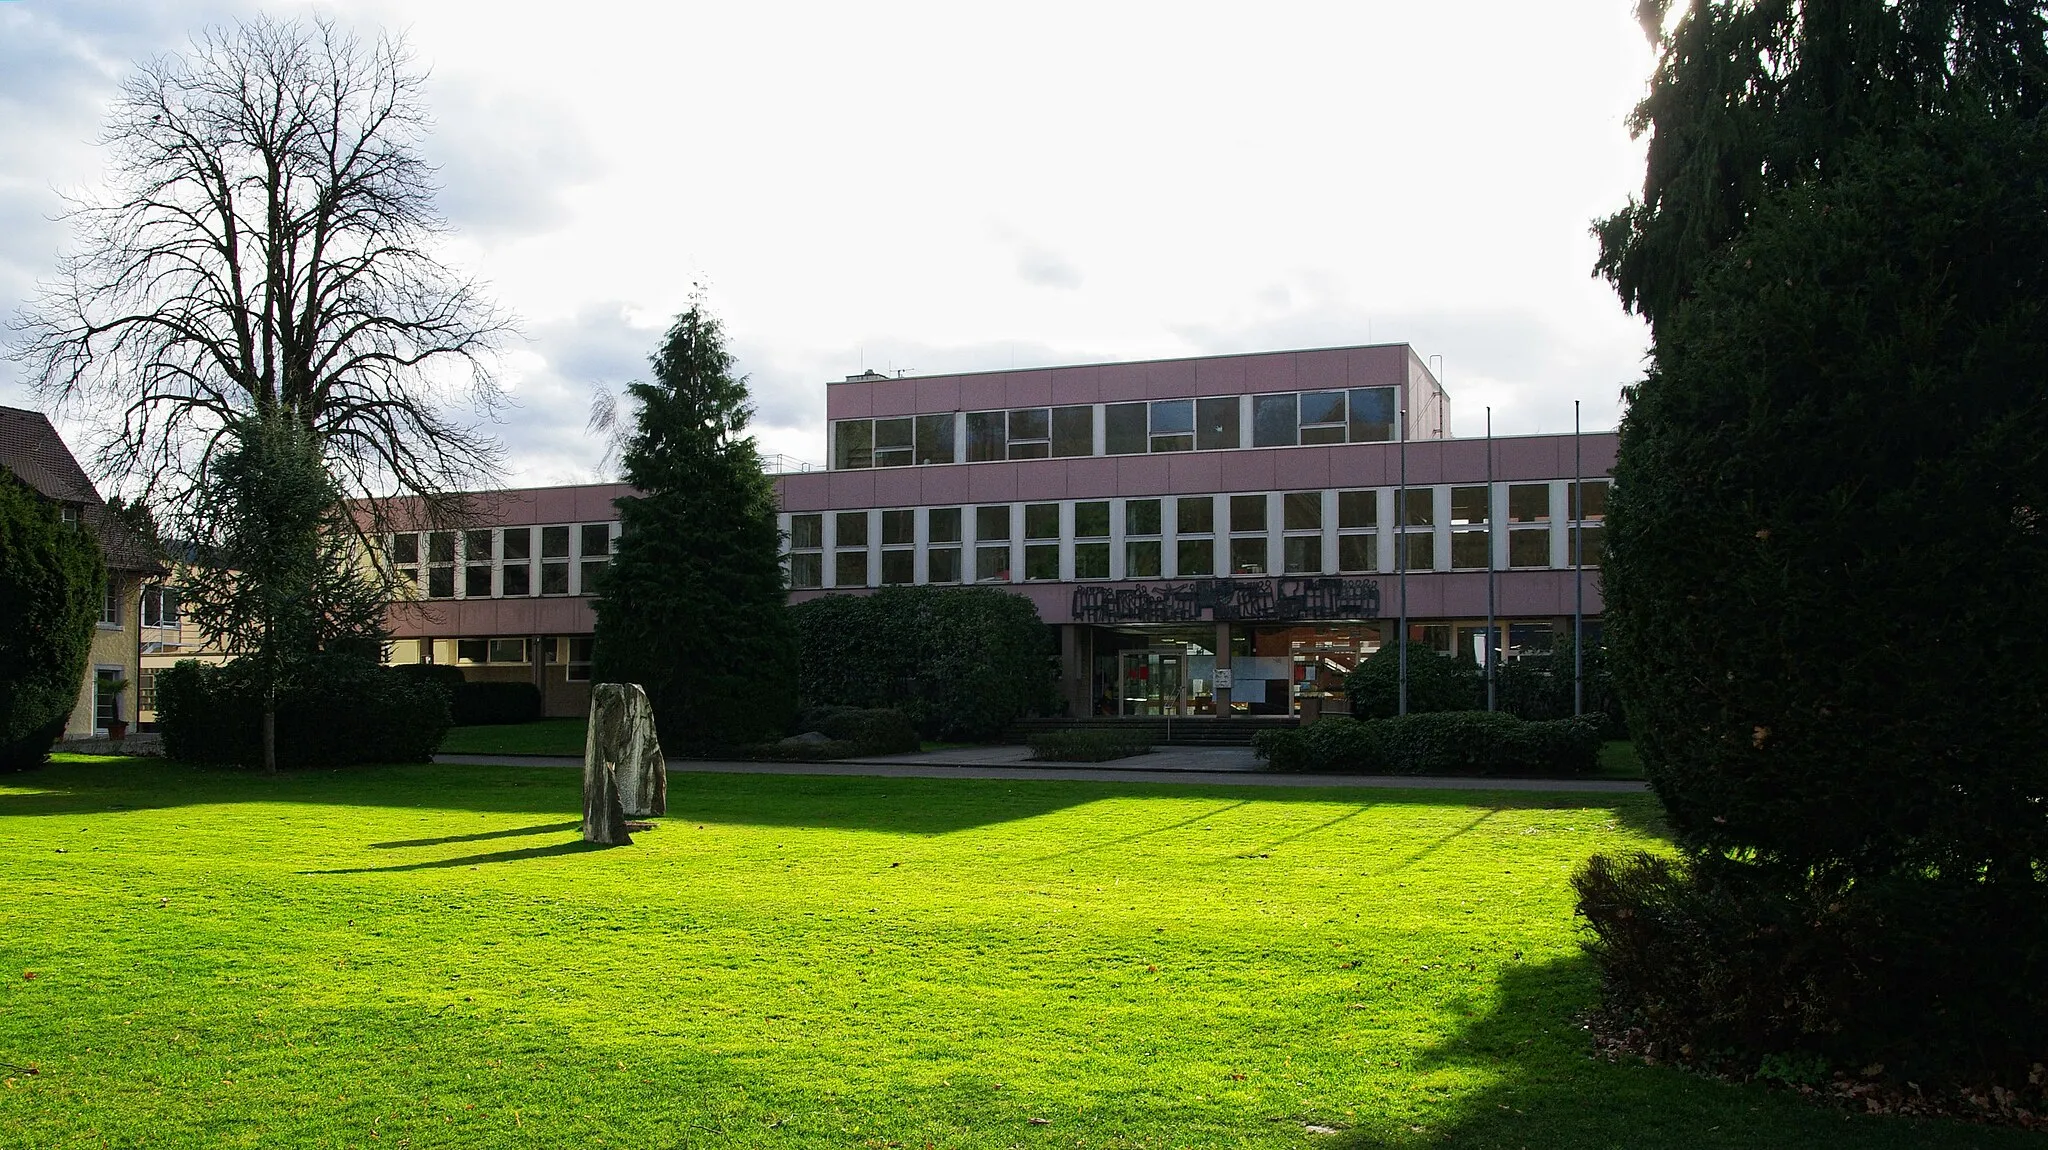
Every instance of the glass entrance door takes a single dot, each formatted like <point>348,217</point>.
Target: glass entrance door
<point>1152,683</point>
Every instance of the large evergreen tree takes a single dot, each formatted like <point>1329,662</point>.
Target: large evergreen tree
<point>52,589</point>
<point>1825,550</point>
<point>692,607</point>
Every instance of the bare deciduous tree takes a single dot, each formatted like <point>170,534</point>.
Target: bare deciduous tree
<point>266,242</point>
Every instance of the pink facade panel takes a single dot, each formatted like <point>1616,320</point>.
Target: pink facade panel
<point>1170,379</point>
<point>1123,382</point>
<point>981,393</point>
<point>1041,479</point>
<point>1072,385</point>
<point>1382,366</point>
<point>1192,474</point>
<point>1303,468</point>
<point>1220,376</point>
<point>1320,370</point>
<point>1248,470</point>
<point>937,394</point>
<point>1149,474</point>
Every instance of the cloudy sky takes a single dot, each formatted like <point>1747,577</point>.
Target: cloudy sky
<point>946,187</point>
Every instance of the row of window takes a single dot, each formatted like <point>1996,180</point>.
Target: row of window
<point>1353,415</point>
<point>1319,532</point>
<point>573,652</point>
<point>503,562</point>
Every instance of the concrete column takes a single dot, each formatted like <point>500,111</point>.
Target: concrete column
<point>1222,664</point>
<point>1077,670</point>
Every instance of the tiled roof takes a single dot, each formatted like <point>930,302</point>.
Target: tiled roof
<point>32,451</point>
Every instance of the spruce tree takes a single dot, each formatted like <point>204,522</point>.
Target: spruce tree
<point>692,607</point>
<point>52,589</point>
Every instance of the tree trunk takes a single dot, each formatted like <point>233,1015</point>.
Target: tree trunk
<point>270,735</point>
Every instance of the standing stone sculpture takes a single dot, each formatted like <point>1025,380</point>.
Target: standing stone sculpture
<point>624,774</point>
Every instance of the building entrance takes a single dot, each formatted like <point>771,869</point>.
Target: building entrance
<point>1153,683</point>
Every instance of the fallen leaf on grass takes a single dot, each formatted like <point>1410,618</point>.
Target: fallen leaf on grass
<point>1041,1121</point>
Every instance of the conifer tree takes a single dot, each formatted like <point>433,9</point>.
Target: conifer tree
<point>692,607</point>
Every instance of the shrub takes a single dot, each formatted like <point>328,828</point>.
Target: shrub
<point>869,731</point>
<point>1088,745</point>
<point>475,704</point>
<point>52,586</point>
<point>1436,682</point>
<point>962,662</point>
<point>1937,982</point>
<point>338,710</point>
<point>1438,743</point>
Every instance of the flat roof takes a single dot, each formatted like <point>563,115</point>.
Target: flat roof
<point>874,377</point>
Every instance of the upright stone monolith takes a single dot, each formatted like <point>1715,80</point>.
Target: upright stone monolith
<point>624,774</point>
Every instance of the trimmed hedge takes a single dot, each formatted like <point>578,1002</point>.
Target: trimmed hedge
<point>1087,746</point>
<point>1437,743</point>
<point>478,704</point>
<point>1436,682</point>
<point>869,731</point>
<point>339,711</point>
<point>962,662</point>
<point>52,588</point>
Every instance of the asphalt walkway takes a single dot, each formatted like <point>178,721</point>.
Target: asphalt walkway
<point>1205,766</point>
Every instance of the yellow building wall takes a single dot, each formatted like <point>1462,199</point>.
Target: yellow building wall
<point>113,646</point>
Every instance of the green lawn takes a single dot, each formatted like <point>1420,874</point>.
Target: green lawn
<point>546,737</point>
<point>427,956</point>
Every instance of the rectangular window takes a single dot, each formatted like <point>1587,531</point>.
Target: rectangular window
<point>1529,547</point>
<point>1303,554</point>
<point>1419,550</point>
<point>405,549</point>
<point>516,579</point>
<point>440,582</point>
<point>894,442</point>
<point>472,650</point>
<point>1273,421</point>
<point>806,570</point>
<point>508,651</point>
<point>1589,500</point>
<point>476,581</point>
<point>554,578</point>
<point>1356,509</point>
<point>1247,513</point>
<point>1042,561</point>
<point>935,439</point>
<point>850,569</point>
<point>992,523</point>
<point>899,528</point>
<point>986,439</point>
<point>1588,538</point>
<point>110,606</point>
<point>478,545</point>
<point>1030,433</point>
<point>1123,429</point>
<point>554,542</point>
<point>1091,560</point>
<point>1248,556</point>
<point>1073,431</point>
<point>1141,517</point>
<point>1469,506</point>
<point>1197,557</point>
<point>942,524</point>
<point>1302,511</point>
<point>942,565</point>
<point>1470,549</point>
<point>1529,503</point>
<point>1091,520</point>
<point>1216,423</point>
<point>1141,559</point>
<point>441,547</point>
<point>1196,514</point>
<point>853,444</point>
<point>517,543</point>
<point>160,607</point>
<point>591,575</point>
<point>899,567</point>
<point>852,529</point>
<point>1322,417</point>
<point>145,690</point>
<point>806,532</point>
<point>1357,553</point>
<point>577,669</point>
<point>1041,521</point>
<point>596,541</point>
<point>1173,425</point>
<point>1420,510</point>
<point>992,564</point>
<point>1372,414</point>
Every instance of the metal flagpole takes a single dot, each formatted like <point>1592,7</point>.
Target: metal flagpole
<point>1401,558</point>
<point>1578,570</point>
<point>1492,641</point>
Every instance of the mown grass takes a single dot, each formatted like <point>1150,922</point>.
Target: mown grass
<point>545,737</point>
<point>428,956</point>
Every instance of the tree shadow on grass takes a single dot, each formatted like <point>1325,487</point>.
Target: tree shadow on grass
<point>445,840</point>
<point>1550,1091</point>
<point>916,806</point>
<point>572,847</point>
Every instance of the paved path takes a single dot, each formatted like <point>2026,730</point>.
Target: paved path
<point>1207,766</point>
